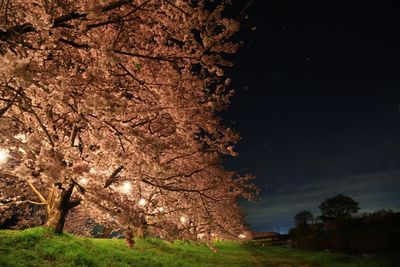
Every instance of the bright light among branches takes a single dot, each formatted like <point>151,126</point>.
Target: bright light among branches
<point>21,137</point>
<point>242,236</point>
<point>183,219</point>
<point>142,202</point>
<point>83,181</point>
<point>3,155</point>
<point>126,187</point>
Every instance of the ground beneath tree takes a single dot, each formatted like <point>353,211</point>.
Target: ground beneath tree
<point>38,247</point>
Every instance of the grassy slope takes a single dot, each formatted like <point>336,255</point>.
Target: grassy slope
<point>37,247</point>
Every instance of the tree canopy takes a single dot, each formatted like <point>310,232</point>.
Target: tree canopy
<point>338,207</point>
<point>110,107</point>
<point>302,218</point>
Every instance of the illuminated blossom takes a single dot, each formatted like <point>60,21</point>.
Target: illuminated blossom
<point>115,90</point>
<point>142,202</point>
<point>126,187</point>
<point>3,155</point>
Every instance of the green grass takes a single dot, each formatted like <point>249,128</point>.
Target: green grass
<point>39,247</point>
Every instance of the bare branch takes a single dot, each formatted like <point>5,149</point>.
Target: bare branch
<point>73,203</point>
<point>81,188</point>
<point>136,79</point>
<point>180,157</point>
<point>188,174</point>
<point>159,58</point>
<point>175,189</point>
<point>113,176</point>
<point>72,43</point>
<point>60,21</point>
<point>16,30</point>
<point>178,8</point>
<point>28,105</point>
<point>73,135</point>
<point>11,102</point>
<point>21,202</point>
<point>114,5</point>
<point>37,193</point>
<point>120,19</point>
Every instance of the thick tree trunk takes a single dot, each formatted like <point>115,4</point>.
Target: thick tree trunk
<point>139,232</point>
<point>56,219</point>
<point>58,204</point>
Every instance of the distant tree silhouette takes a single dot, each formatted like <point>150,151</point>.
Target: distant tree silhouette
<point>382,212</point>
<point>302,218</point>
<point>338,207</point>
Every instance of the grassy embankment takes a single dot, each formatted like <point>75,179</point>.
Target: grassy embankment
<point>38,247</point>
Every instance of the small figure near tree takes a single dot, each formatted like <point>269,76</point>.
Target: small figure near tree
<point>338,207</point>
<point>302,218</point>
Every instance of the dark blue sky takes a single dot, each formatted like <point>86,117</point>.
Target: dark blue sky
<point>317,105</point>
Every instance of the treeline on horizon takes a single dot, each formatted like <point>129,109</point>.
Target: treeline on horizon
<point>340,228</point>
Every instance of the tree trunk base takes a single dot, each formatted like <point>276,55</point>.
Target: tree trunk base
<point>56,220</point>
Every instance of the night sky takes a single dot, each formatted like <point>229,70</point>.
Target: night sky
<point>317,106</point>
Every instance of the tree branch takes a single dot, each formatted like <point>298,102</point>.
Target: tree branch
<point>38,119</point>
<point>178,8</point>
<point>73,135</point>
<point>189,174</point>
<point>37,193</point>
<point>73,44</point>
<point>174,189</point>
<point>113,176</point>
<point>159,58</point>
<point>16,30</point>
<point>136,79</point>
<point>58,22</point>
<point>21,202</point>
<point>9,105</point>
<point>73,203</point>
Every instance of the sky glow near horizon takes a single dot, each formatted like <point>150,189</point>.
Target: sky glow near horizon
<point>317,106</point>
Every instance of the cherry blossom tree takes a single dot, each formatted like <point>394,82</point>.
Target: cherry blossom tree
<point>110,106</point>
